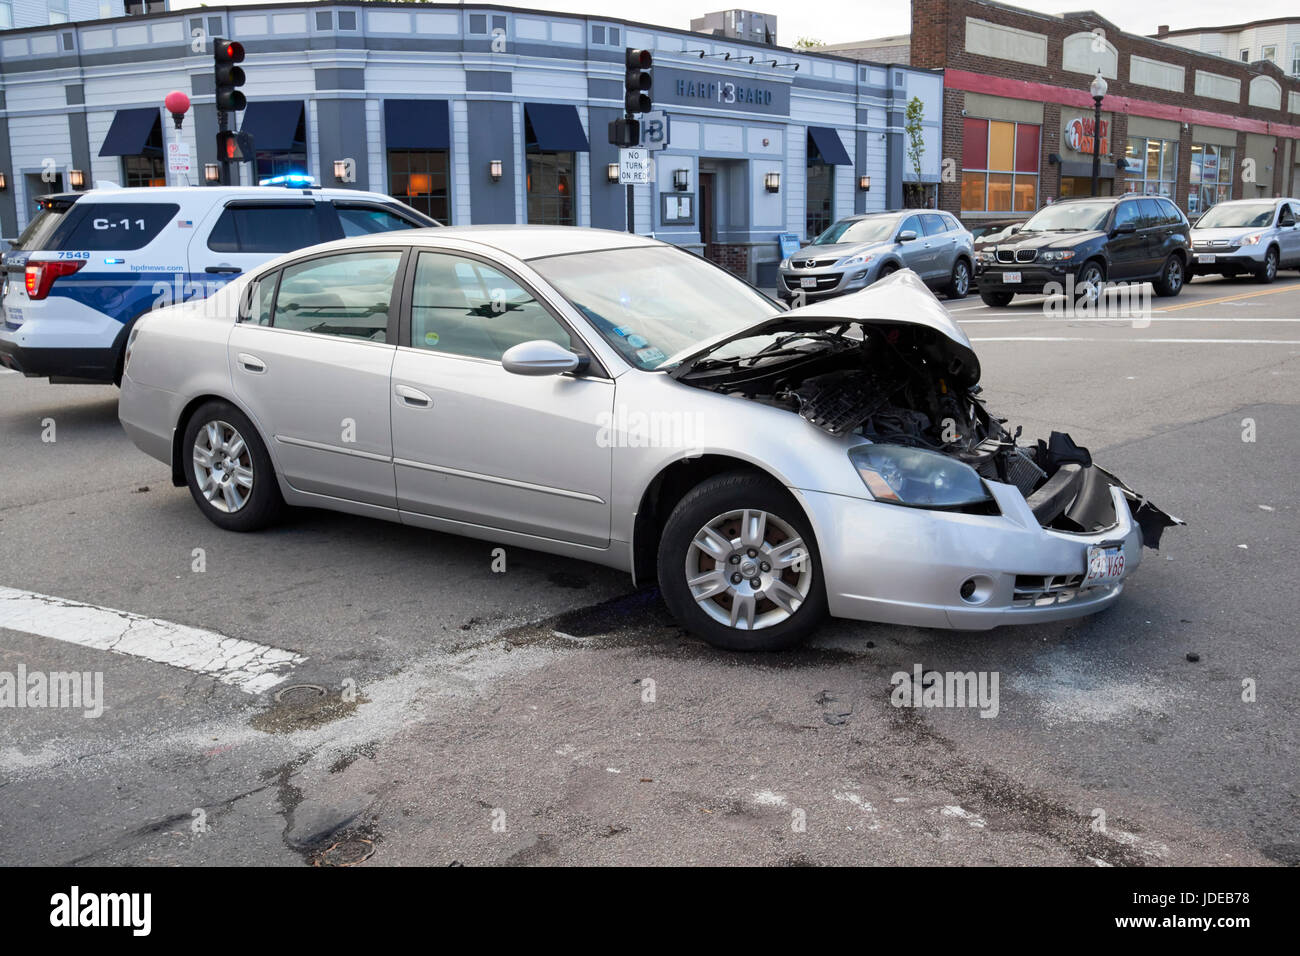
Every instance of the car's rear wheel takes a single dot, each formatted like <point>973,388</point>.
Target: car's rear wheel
<point>996,298</point>
<point>1170,280</point>
<point>739,567</point>
<point>1267,271</point>
<point>959,284</point>
<point>229,470</point>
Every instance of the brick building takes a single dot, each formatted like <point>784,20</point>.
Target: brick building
<point>1018,117</point>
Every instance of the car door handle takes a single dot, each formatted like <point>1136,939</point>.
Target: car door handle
<point>251,363</point>
<point>413,396</point>
<point>224,270</point>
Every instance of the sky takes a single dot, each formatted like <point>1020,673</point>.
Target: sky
<point>840,21</point>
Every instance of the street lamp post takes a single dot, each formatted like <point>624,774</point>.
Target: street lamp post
<point>1098,91</point>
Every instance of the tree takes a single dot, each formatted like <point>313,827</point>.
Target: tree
<point>915,148</point>
<point>808,43</point>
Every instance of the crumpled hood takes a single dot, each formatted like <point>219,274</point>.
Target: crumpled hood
<point>898,299</point>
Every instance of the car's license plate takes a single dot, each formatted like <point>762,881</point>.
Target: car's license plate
<point>1205,260</point>
<point>1105,565</point>
<point>1011,277</point>
<point>807,283</point>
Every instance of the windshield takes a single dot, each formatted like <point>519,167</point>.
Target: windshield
<point>41,227</point>
<point>651,303</point>
<point>877,229</point>
<point>1245,216</point>
<point>1070,217</point>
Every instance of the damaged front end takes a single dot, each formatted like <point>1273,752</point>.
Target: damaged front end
<point>852,367</point>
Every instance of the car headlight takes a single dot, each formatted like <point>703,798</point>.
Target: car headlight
<point>917,478</point>
<point>1252,240</point>
<point>785,264</point>
<point>986,257</point>
<point>855,261</point>
<point>1057,255</point>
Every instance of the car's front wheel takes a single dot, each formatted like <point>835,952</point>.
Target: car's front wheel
<point>739,567</point>
<point>1170,280</point>
<point>1267,271</point>
<point>959,284</point>
<point>229,470</point>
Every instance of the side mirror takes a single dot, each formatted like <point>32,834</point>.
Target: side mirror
<point>539,357</point>
<point>907,235</point>
<point>1124,227</point>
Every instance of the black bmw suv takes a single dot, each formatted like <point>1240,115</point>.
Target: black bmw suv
<point>1076,246</point>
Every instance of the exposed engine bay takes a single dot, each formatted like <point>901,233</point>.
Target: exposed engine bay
<point>908,384</point>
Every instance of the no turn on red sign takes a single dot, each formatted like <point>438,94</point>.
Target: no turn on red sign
<point>634,166</point>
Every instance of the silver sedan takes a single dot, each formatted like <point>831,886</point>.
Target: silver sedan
<point>616,399</point>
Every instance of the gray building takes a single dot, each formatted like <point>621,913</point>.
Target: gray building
<point>41,13</point>
<point>738,25</point>
<point>475,114</point>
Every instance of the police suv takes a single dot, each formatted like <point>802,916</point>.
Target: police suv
<point>89,264</point>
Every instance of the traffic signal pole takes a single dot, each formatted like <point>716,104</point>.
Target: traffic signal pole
<point>626,132</point>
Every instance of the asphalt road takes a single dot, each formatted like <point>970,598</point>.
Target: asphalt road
<point>478,717</point>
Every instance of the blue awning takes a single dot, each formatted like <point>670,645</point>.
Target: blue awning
<point>826,143</point>
<point>556,127</point>
<point>130,131</point>
<point>417,124</point>
<point>273,124</point>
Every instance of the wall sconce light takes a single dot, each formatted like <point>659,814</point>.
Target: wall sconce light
<point>211,173</point>
<point>772,182</point>
<point>864,183</point>
<point>340,170</point>
<point>611,173</point>
<point>4,183</point>
<point>682,179</point>
<point>495,170</point>
<point>76,178</point>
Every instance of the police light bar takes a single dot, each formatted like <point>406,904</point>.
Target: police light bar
<point>289,179</point>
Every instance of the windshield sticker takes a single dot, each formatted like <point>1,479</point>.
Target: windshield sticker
<point>650,356</point>
<point>637,341</point>
<point>430,338</point>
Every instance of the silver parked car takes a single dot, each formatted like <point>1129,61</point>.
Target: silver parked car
<point>1248,236</point>
<point>619,400</point>
<point>855,252</point>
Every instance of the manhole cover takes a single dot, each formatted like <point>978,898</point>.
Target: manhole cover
<point>346,853</point>
<point>298,693</point>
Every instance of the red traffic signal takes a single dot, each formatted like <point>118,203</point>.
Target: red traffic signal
<point>233,147</point>
<point>228,77</point>
<point>637,81</point>
<point>229,51</point>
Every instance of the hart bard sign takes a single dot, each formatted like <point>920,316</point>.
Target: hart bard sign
<point>1079,135</point>
<point>731,93</point>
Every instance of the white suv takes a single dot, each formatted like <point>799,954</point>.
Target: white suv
<point>89,264</point>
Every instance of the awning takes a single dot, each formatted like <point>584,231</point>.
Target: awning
<point>1071,167</point>
<point>130,131</point>
<point>417,124</point>
<point>273,124</point>
<point>555,127</point>
<point>826,143</point>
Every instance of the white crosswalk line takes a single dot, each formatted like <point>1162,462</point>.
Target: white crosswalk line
<point>250,667</point>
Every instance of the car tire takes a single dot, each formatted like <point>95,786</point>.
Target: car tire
<point>888,269</point>
<point>237,491</point>
<point>1267,270</point>
<point>959,283</point>
<point>1091,273</point>
<point>1172,277</point>
<point>719,510</point>
<point>996,298</point>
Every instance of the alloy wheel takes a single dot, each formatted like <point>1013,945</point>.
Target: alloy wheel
<point>1089,287</point>
<point>961,279</point>
<point>748,569</point>
<point>1174,274</point>
<point>223,466</point>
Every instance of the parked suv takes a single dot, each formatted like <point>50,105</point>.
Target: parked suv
<point>89,264</point>
<point>857,251</point>
<point>1086,243</point>
<point>1256,236</point>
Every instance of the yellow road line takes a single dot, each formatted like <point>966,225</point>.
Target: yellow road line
<point>1228,298</point>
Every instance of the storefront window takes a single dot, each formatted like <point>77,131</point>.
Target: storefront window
<point>1152,166</point>
<point>999,166</point>
<point>278,162</point>
<point>1210,176</point>
<point>819,212</point>
<point>550,188</point>
<point>418,177</point>
<point>148,168</point>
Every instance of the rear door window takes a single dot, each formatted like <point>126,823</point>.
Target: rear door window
<point>266,228</point>
<point>1149,214</point>
<point>100,226</point>
<point>934,224</point>
<point>1172,217</point>
<point>347,295</point>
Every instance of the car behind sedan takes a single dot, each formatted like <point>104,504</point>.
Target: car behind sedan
<point>1248,237</point>
<point>615,399</point>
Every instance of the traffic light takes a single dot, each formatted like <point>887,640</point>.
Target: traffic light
<point>625,133</point>
<point>225,54</point>
<point>233,147</point>
<point>637,81</point>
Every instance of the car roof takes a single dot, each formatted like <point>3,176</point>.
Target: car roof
<point>520,241</point>
<point>173,193</point>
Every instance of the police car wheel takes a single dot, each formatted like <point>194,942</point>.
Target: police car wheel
<point>228,469</point>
